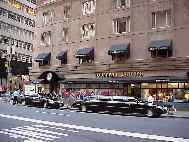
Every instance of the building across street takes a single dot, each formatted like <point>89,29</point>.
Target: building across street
<point>112,47</point>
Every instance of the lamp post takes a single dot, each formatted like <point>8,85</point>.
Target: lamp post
<point>10,51</point>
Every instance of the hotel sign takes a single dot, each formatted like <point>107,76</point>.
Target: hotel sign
<point>122,74</point>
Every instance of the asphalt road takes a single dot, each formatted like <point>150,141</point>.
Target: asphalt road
<point>30,124</point>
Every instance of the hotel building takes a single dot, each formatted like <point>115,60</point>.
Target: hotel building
<point>113,47</point>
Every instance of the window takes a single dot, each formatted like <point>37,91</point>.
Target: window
<point>30,59</point>
<point>48,1</point>
<point>121,3</point>
<point>46,38</point>
<point>122,25</point>
<point>161,53</point>
<point>161,19</point>
<point>89,7</point>
<point>67,12</point>
<point>65,34</point>
<point>47,17</point>
<point>31,47</point>
<point>88,30</point>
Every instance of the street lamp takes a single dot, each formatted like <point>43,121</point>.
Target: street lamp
<point>10,51</point>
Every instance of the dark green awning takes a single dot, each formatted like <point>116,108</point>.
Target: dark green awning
<point>62,55</point>
<point>160,45</point>
<point>43,56</point>
<point>121,48</point>
<point>85,52</point>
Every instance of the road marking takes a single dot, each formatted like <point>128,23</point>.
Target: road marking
<point>53,113</point>
<point>98,130</point>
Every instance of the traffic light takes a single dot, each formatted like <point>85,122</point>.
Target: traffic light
<point>6,64</point>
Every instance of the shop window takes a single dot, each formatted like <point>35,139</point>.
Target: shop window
<point>143,85</point>
<point>89,7</point>
<point>158,85</point>
<point>65,34</point>
<point>121,3</point>
<point>161,19</point>
<point>164,85</point>
<point>186,95</point>
<point>67,12</point>
<point>186,85</point>
<point>47,17</point>
<point>94,85</point>
<point>121,25</point>
<point>88,30</point>
<point>46,38</point>
<point>150,85</point>
<point>161,95</point>
<point>172,85</point>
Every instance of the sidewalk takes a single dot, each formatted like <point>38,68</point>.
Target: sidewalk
<point>178,114</point>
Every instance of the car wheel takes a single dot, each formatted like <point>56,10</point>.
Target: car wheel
<point>45,105</point>
<point>84,108</point>
<point>23,103</point>
<point>150,112</point>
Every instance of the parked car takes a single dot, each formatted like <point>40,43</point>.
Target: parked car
<point>123,104</point>
<point>37,101</point>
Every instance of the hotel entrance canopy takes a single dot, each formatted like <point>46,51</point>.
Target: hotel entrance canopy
<point>160,45</point>
<point>121,48</point>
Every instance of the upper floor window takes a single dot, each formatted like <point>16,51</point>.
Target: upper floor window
<point>89,7</point>
<point>122,25</point>
<point>48,1</point>
<point>67,12</point>
<point>121,3</point>
<point>65,34</point>
<point>46,38</point>
<point>47,17</point>
<point>88,30</point>
<point>161,19</point>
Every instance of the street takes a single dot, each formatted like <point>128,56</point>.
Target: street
<point>31,124</point>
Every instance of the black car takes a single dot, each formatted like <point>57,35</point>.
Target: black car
<point>123,104</point>
<point>38,101</point>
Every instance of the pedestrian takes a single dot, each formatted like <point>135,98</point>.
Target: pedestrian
<point>171,104</point>
<point>15,95</point>
<point>81,96</point>
<point>150,100</point>
<point>92,94</point>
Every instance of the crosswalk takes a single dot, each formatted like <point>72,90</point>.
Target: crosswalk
<point>37,133</point>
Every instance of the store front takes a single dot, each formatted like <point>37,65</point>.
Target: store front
<point>140,87</point>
